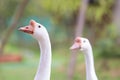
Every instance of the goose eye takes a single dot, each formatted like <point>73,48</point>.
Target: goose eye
<point>84,41</point>
<point>39,26</point>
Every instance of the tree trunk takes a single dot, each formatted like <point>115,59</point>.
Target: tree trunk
<point>78,32</point>
<point>116,20</point>
<point>16,17</point>
<point>116,16</point>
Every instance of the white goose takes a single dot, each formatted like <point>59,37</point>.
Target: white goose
<point>84,45</point>
<point>40,33</point>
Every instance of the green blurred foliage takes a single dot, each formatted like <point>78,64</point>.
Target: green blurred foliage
<point>109,44</point>
<point>60,6</point>
<point>99,11</point>
<point>7,8</point>
<point>60,17</point>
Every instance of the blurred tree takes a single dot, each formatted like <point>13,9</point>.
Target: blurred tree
<point>107,31</point>
<point>7,8</point>
<point>97,19</point>
<point>99,14</point>
<point>16,17</point>
<point>78,32</point>
<point>116,21</point>
<point>116,15</point>
<point>111,39</point>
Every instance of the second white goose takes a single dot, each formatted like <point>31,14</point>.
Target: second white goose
<point>84,45</point>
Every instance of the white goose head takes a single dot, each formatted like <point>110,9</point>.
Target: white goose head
<point>81,43</point>
<point>37,30</point>
<point>40,33</point>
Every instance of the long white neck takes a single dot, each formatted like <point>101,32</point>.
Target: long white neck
<point>90,70</point>
<point>44,68</point>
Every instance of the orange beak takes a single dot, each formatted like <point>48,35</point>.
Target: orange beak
<point>75,46</point>
<point>28,29</point>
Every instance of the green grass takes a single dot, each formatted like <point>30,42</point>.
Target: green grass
<point>26,69</point>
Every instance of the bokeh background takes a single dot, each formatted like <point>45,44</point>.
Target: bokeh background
<point>97,20</point>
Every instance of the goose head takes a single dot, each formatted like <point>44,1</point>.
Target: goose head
<point>35,29</point>
<point>81,44</point>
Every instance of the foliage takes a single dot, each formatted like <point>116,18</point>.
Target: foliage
<point>7,5</point>
<point>64,15</point>
<point>97,12</point>
<point>60,6</point>
<point>108,45</point>
<point>7,8</point>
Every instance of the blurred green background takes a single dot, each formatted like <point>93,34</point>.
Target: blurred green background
<point>61,18</point>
